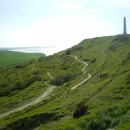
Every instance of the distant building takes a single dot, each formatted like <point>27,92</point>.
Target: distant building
<point>124,26</point>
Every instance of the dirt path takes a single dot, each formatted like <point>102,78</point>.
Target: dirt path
<point>50,76</point>
<point>48,91</point>
<point>45,94</point>
<point>89,75</point>
<point>33,67</point>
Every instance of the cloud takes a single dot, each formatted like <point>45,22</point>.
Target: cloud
<point>69,5</point>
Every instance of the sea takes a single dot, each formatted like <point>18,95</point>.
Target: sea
<point>50,50</point>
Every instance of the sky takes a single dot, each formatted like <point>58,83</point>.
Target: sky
<point>63,23</point>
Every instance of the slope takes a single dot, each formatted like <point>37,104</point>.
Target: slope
<point>106,93</point>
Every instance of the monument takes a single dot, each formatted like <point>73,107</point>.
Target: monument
<point>124,26</point>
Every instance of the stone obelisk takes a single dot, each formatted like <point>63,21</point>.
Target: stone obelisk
<point>124,26</point>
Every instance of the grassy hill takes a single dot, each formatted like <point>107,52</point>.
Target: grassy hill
<point>10,57</point>
<point>106,92</point>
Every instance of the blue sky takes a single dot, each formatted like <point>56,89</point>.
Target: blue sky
<point>60,22</point>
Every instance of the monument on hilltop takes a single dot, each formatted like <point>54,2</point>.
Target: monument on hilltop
<point>124,26</point>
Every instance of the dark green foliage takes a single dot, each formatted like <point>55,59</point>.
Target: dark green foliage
<point>17,85</point>
<point>128,79</point>
<point>3,84</point>
<point>28,82</point>
<point>32,121</point>
<point>103,75</point>
<point>80,48</point>
<point>120,38</point>
<point>18,66</point>
<point>112,48</point>
<point>59,80</point>
<point>124,62</point>
<point>80,111</point>
<point>67,52</point>
<point>93,60</point>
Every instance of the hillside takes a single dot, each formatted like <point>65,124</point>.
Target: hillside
<point>91,80</point>
<point>11,57</point>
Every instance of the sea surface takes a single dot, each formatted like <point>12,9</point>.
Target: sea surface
<point>46,50</point>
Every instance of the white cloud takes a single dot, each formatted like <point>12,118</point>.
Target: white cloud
<point>69,5</point>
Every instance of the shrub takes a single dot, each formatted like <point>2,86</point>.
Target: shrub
<point>80,48</point>
<point>128,79</point>
<point>3,84</point>
<point>103,75</point>
<point>120,38</point>
<point>93,60</point>
<point>61,79</point>
<point>67,52</point>
<point>29,81</point>
<point>80,111</point>
<point>112,48</point>
<point>28,123</point>
<point>18,66</point>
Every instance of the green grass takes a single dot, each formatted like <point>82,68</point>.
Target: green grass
<point>9,57</point>
<point>107,92</point>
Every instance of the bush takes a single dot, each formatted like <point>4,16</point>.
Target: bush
<point>67,52</point>
<point>112,48</point>
<point>59,80</point>
<point>18,66</point>
<point>103,75</point>
<point>28,123</point>
<point>93,60</point>
<point>80,48</point>
<point>3,84</point>
<point>29,81</point>
<point>17,85</point>
<point>80,111</point>
<point>128,79</point>
<point>120,38</point>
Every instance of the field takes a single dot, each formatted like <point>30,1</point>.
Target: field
<point>10,57</point>
<point>44,94</point>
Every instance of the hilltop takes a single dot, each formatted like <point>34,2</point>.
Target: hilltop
<point>92,76</point>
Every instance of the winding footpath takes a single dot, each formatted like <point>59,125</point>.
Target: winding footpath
<point>48,91</point>
<point>89,75</point>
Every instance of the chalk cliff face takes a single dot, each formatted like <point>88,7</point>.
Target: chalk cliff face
<point>124,26</point>
<point>86,87</point>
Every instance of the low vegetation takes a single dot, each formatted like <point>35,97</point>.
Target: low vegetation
<point>100,103</point>
<point>10,57</point>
